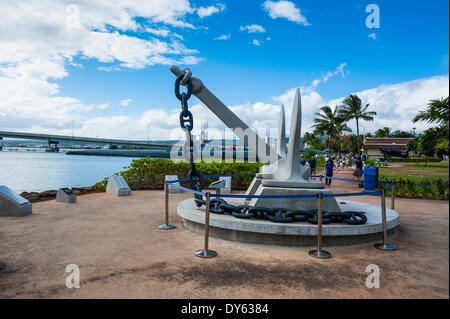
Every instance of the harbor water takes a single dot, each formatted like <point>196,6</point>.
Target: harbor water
<point>33,170</point>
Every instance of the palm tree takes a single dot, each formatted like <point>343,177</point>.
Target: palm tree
<point>311,140</point>
<point>436,112</point>
<point>352,109</point>
<point>330,123</point>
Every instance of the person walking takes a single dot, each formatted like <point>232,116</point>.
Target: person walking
<point>313,164</point>
<point>328,172</point>
<point>302,161</point>
<point>358,168</point>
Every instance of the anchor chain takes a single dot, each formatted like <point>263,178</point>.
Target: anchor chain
<point>282,215</point>
<point>187,124</point>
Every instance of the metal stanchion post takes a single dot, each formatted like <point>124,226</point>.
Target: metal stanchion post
<point>166,225</point>
<point>319,253</point>
<point>384,245</point>
<point>321,177</point>
<point>206,253</point>
<point>218,192</point>
<point>393,196</point>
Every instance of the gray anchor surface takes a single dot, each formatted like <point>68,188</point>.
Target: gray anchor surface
<point>286,176</point>
<point>12,204</point>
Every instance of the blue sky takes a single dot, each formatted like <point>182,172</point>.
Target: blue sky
<point>410,45</point>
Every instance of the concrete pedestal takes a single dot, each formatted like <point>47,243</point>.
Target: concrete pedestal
<point>291,234</point>
<point>66,195</point>
<point>329,203</point>
<point>12,204</point>
<point>117,186</point>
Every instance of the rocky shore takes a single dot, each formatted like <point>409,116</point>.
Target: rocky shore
<point>34,197</point>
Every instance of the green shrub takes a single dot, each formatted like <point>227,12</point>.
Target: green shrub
<point>418,187</point>
<point>147,173</point>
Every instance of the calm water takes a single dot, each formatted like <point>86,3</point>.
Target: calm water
<point>37,171</point>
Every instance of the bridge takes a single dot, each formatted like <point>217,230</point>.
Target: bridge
<point>54,140</point>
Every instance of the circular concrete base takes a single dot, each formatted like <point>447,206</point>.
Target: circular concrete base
<point>291,234</point>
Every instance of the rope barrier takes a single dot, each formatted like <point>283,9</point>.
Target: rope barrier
<point>269,196</point>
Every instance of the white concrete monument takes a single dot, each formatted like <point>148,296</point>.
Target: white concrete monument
<point>12,204</point>
<point>117,186</point>
<point>66,195</point>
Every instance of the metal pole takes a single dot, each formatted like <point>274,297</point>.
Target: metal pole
<point>205,253</point>
<point>393,196</point>
<point>384,245</point>
<point>166,225</point>
<point>218,192</point>
<point>319,253</point>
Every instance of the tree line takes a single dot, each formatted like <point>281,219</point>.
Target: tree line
<point>332,124</point>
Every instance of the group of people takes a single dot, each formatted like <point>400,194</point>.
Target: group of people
<point>332,163</point>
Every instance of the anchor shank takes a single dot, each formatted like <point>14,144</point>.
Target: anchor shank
<point>231,120</point>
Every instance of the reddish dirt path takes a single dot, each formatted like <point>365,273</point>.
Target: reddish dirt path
<point>122,254</point>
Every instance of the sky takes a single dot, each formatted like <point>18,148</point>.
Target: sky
<point>103,66</point>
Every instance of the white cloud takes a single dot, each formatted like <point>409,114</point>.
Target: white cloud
<point>207,11</point>
<point>125,102</point>
<point>253,28</point>
<point>38,39</point>
<point>339,70</point>
<point>372,36</point>
<point>285,9</point>
<point>396,104</point>
<point>256,42</point>
<point>223,37</point>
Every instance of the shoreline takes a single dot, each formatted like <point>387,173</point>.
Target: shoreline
<point>35,197</point>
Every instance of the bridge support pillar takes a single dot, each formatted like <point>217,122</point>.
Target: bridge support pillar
<point>53,146</point>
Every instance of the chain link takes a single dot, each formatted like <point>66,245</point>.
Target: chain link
<point>282,215</point>
<point>187,124</point>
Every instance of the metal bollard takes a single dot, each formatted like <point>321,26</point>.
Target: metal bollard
<point>384,245</point>
<point>206,253</point>
<point>321,177</point>
<point>393,196</point>
<point>166,225</point>
<point>319,253</point>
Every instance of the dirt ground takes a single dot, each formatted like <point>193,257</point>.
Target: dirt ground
<point>121,253</point>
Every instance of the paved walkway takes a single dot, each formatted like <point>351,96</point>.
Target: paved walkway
<point>122,254</point>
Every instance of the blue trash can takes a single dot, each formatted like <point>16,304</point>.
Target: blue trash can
<point>370,178</point>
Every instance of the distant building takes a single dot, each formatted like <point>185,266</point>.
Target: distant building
<point>372,145</point>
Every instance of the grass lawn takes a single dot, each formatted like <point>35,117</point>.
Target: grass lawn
<point>416,171</point>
